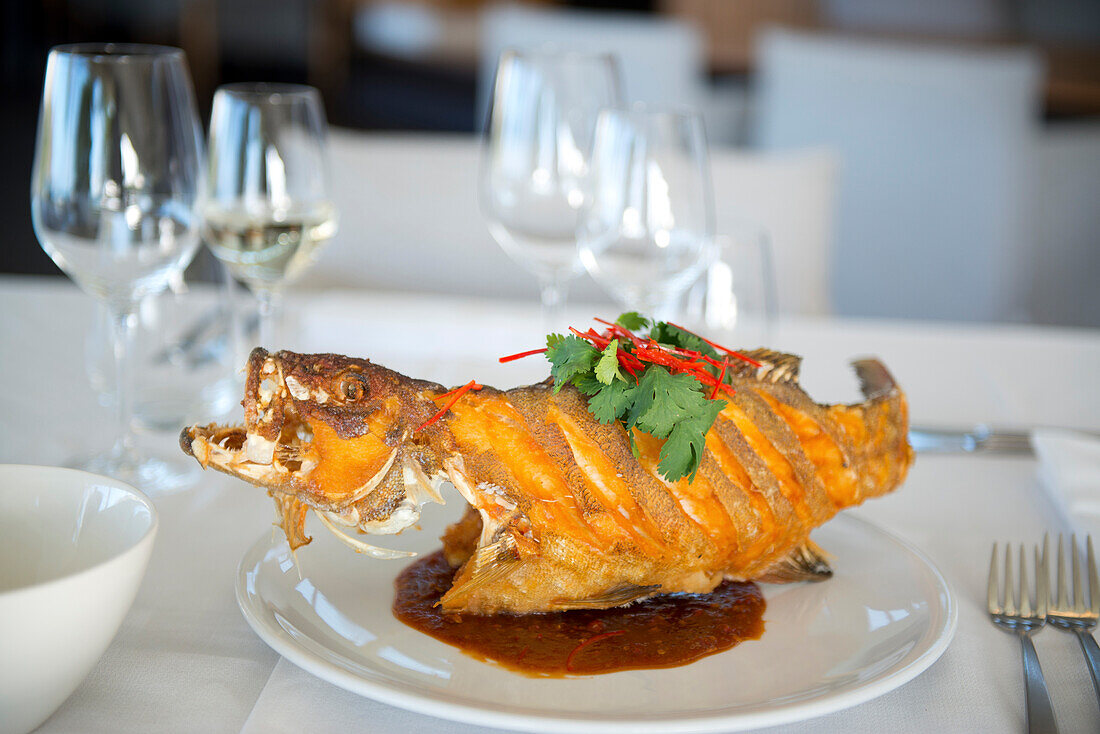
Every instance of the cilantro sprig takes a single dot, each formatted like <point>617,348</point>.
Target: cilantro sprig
<point>655,382</point>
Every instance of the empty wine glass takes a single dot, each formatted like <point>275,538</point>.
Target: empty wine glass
<point>647,233</point>
<point>735,300</point>
<point>114,199</point>
<point>268,211</point>
<point>535,167</point>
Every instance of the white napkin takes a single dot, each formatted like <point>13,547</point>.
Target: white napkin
<point>1069,465</point>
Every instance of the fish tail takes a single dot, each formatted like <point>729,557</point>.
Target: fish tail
<point>880,426</point>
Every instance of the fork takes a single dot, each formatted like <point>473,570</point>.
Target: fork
<point>1023,620</point>
<point>1077,617</point>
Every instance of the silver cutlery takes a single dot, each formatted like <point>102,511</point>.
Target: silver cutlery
<point>1082,614</point>
<point>1016,614</point>
<point>982,438</point>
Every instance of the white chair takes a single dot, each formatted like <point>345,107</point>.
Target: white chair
<point>662,59</point>
<point>1065,219</point>
<point>792,196</point>
<point>409,219</point>
<point>935,147</point>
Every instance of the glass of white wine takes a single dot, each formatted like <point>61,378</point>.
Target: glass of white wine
<point>535,171</point>
<point>268,212</point>
<point>115,199</point>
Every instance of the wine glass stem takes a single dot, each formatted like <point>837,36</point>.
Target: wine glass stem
<point>270,300</point>
<point>123,322</point>
<point>553,294</point>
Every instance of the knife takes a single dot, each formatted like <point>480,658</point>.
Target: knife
<point>982,438</point>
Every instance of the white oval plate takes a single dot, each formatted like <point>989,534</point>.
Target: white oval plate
<point>885,616</point>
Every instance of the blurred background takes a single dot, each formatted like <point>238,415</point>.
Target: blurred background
<point>931,160</point>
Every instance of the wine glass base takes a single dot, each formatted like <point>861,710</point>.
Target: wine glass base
<point>155,475</point>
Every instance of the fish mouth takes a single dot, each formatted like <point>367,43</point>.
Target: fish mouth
<point>275,448</point>
<point>278,465</point>
<point>271,448</point>
<point>225,447</point>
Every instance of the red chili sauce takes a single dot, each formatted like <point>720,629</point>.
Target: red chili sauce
<point>660,632</point>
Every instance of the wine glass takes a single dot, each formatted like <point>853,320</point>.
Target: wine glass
<point>268,212</point>
<point>735,300</point>
<point>115,200</point>
<point>647,232</point>
<point>535,165</point>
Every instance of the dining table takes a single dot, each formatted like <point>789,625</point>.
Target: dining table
<point>185,660</point>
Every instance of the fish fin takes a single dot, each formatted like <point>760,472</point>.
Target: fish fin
<point>807,562</point>
<point>460,538</point>
<point>291,516</point>
<point>487,564</point>
<point>875,381</point>
<point>418,485</point>
<point>613,597</point>
<point>357,545</point>
<point>778,367</point>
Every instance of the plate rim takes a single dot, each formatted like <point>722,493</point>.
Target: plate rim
<point>268,629</point>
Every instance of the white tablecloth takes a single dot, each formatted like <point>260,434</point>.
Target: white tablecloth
<point>185,661</point>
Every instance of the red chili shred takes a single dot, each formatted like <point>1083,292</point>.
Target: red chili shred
<point>676,359</point>
<point>455,395</point>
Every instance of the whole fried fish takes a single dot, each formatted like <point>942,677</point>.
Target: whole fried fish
<point>562,514</point>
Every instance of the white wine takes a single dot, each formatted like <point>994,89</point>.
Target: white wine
<point>271,248</point>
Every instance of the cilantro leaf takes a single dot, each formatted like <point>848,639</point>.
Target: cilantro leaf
<point>607,369</point>
<point>643,395</point>
<point>632,320</point>
<point>611,402</point>
<point>569,357</point>
<point>682,453</point>
<point>677,399</point>
<point>661,400</point>
<point>588,384</point>
<point>674,336</point>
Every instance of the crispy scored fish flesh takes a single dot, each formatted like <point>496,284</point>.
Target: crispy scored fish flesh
<point>562,514</point>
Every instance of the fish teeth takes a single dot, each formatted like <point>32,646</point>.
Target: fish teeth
<point>297,390</point>
<point>259,450</point>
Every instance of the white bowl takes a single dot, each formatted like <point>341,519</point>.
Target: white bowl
<point>73,549</point>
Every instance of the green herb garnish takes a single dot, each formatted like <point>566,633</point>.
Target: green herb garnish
<point>656,383</point>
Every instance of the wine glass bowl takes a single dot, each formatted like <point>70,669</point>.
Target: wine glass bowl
<point>735,300</point>
<point>535,168</point>
<point>115,198</point>
<point>647,232</point>
<point>268,212</point>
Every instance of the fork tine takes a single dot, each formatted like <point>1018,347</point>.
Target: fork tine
<point>1078,591</point>
<point>1063,603</point>
<point>1025,593</point>
<point>1010,593</point>
<point>994,590</point>
<point>1042,581</point>
<point>1094,582</point>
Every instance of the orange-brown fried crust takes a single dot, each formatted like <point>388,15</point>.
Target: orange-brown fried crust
<point>564,513</point>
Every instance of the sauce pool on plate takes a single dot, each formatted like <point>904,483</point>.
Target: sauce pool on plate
<point>660,632</point>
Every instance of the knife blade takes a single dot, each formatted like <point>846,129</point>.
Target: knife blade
<point>981,438</point>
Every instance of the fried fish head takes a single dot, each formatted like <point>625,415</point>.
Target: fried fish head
<point>330,433</point>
